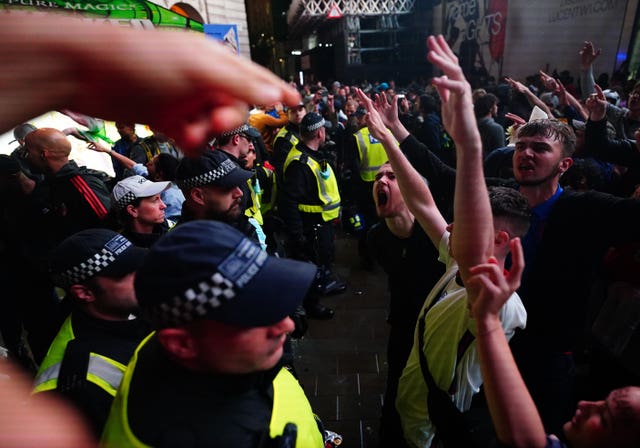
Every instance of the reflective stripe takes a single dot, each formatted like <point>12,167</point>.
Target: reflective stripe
<point>105,370</point>
<point>108,373</point>
<point>317,208</point>
<point>49,374</point>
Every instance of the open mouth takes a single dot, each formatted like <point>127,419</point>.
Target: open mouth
<point>382,198</point>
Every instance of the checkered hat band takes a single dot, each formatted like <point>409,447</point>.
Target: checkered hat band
<point>209,177</point>
<point>238,130</point>
<point>195,302</point>
<point>315,126</point>
<point>125,200</point>
<point>86,269</point>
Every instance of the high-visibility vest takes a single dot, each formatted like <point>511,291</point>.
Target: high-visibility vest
<point>287,135</point>
<point>267,205</point>
<point>102,371</point>
<point>327,184</point>
<point>256,196</point>
<point>372,154</point>
<point>290,405</point>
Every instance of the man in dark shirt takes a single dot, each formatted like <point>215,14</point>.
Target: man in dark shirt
<point>410,261</point>
<point>79,198</point>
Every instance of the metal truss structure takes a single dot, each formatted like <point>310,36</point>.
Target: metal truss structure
<point>305,16</point>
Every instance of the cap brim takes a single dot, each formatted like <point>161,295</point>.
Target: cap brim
<point>234,179</point>
<point>153,188</point>
<point>252,132</point>
<point>126,263</point>
<point>273,294</point>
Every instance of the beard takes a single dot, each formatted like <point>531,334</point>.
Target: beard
<point>541,180</point>
<point>230,215</point>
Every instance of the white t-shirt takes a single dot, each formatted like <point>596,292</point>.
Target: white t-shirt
<point>445,324</point>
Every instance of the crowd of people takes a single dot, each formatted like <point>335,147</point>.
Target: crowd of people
<point>156,307</point>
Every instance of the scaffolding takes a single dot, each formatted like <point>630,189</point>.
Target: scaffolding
<point>370,27</point>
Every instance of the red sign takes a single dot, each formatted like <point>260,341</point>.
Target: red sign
<point>334,12</point>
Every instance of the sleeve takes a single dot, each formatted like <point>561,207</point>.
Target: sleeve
<point>140,170</point>
<point>430,133</point>
<point>94,195</point>
<point>351,155</point>
<point>622,152</point>
<point>440,176</point>
<point>587,83</point>
<point>292,194</point>
<point>272,121</point>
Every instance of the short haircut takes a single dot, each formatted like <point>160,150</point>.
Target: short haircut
<point>510,209</point>
<point>551,129</point>
<point>166,165</point>
<point>224,140</point>
<point>309,135</point>
<point>484,103</point>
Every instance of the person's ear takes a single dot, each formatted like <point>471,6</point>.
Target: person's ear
<point>82,293</point>
<point>197,195</point>
<point>565,164</point>
<point>178,342</point>
<point>501,240</point>
<point>132,211</point>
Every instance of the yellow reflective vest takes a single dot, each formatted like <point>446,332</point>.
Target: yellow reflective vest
<point>256,196</point>
<point>326,182</point>
<point>290,405</point>
<point>104,372</point>
<point>372,154</point>
<point>287,135</point>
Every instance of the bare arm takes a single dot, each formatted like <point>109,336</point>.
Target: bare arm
<point>531,97</point>
<point>472,237</point>
<point>414,190</point>
<point>201,90</point>
<point>588,54</point>
<point>512,409</point>
<point>124,160</point>
<point>566,99</point>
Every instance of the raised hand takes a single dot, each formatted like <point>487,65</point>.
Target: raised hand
<point>596,104</point>
<point>489,288</point>
<point>549,82</point>
<point>375,122</point>
<point>588,54</point>
<point>454,91</point>
<point>516,85</point>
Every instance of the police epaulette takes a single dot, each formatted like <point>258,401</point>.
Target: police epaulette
<point>304,158</point>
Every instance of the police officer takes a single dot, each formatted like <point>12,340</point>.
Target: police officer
<point>211,374</point>
<point>87,359</point>
<point>311,202</point>
<point>287,137</point>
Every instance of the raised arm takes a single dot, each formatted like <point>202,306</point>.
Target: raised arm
<point>514,414</point>
<point>472,237</point>
<point>201,90</point>
<point>414,190</point>
<point>124,160</point>
<point>588,54</point>
<point>531,97</point>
